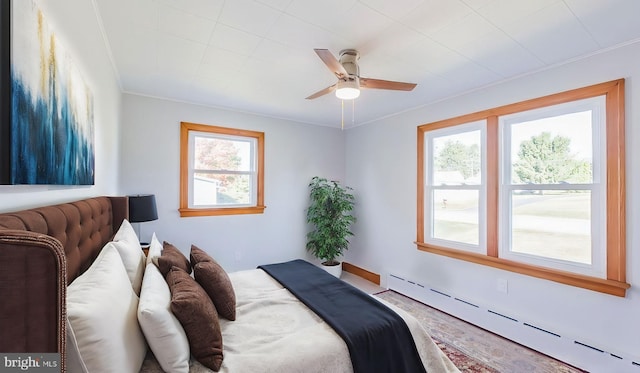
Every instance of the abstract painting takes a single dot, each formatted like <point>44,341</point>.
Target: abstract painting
<point>50,119</point>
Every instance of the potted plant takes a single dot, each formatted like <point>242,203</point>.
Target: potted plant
<point>330,214</point>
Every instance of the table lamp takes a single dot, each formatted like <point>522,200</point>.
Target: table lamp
<point>142,207</point>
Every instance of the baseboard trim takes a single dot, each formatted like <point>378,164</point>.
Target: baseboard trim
<point>573,350</point>
<point>367,275</point>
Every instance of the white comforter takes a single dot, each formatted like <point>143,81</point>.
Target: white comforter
<point>292,338</point>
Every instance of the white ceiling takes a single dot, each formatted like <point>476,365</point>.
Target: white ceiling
<point>257,56</point>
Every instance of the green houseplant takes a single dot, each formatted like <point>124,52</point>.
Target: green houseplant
<point>329,212</point>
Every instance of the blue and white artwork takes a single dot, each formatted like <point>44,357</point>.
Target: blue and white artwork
<point>52,130</point>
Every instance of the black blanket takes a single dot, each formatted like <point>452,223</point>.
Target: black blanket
<point>378,339</point>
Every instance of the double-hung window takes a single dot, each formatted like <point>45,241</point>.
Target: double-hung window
<point>454,187</point>
<point>535,187</point>
<point>221,171</point>
<point>553,194</point>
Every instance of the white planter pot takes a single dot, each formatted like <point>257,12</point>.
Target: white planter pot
<point>335,270</point>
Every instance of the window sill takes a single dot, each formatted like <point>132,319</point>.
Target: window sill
<point>189,212</point>
<point>606,286</point>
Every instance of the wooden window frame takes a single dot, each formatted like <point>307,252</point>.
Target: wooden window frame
<point>185,210</point>
<point>480,187</point>
<point>615,281</point>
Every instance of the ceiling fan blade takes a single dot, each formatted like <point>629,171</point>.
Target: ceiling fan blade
<point>332,63</point>
<point>386,84</point>
<point>322,92</point>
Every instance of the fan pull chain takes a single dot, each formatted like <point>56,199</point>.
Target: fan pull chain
<point>353,113</point>
<point>342,121</point>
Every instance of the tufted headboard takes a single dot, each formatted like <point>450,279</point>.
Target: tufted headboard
<point>42,250</point>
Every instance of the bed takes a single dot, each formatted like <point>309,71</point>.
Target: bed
<point>70,272</point>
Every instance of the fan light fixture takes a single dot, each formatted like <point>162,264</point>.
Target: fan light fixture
<point>348,90</point>
<point>348,73</point>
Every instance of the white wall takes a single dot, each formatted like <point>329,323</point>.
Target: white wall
<point>294,153</point>
<point>77,30</point>
<point>381,166</point>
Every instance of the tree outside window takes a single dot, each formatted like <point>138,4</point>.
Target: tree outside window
<point>540,191</point>
<point>221,170</point>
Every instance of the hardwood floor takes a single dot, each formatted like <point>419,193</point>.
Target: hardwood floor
<point>362,284</point>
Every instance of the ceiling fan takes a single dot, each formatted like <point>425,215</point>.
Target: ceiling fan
<point>349,80</point>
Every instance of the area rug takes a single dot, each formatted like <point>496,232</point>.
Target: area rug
<point>473,349</point>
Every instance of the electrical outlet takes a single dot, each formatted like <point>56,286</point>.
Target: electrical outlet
<point>503,286</point>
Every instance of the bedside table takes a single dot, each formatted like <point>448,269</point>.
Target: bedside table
<point>145,248</point>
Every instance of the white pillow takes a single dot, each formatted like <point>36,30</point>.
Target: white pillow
<point>163,331</point>
<point>103,330</point>
<point>155,248</point>
<point>127,244</point>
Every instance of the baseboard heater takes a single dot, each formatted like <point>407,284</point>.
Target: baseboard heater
<point>582,354</point>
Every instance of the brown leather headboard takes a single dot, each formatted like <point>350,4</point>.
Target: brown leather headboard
<point>41,251</point>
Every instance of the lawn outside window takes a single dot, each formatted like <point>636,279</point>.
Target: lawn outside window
<point>535,187</point>
<point>221,171</point>
<point>454,184</point>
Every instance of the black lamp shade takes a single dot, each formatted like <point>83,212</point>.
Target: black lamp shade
<point>142,208</point>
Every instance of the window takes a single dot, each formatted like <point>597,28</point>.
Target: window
<point>535,187</point>
<point>553,190</point>
<point>221,171</point>
<point>454,185</point>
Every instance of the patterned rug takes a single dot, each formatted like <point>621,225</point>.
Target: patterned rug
<point>473,349</point>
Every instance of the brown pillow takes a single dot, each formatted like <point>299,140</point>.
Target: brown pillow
<point>197,314</point>
<point>215,281</point>
<point>198,255</point>
<point>170,257</point>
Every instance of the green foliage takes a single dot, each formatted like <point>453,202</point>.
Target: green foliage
<point>547,160</point>
<point>329,212</point>
<point>222,155</point>
<point>456,156</point>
